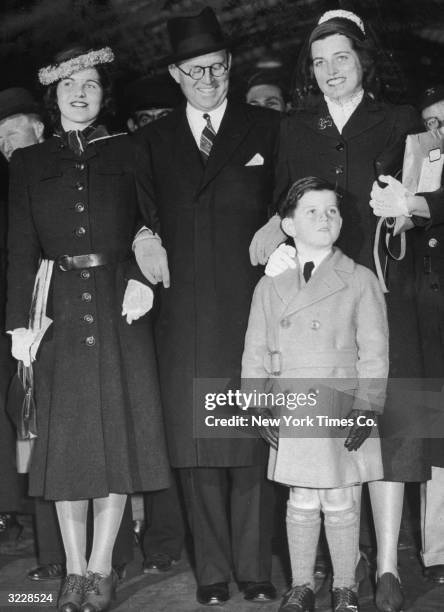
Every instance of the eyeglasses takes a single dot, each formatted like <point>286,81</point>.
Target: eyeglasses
<point>433,123</point>
<point>197,72</point>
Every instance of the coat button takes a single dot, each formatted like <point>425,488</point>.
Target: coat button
<point>80,186</point>
<point>88,318</point>
<point>315,324</point>
<point>80,231</point>
<point>86,297</point>
<point>433,242</point>
<point>339,170</point>
<point>85,274</point>
<point>340,146</point>
<point>79,207</point>
<point>90,341</point>
<point>285,323</point>
<point>80,166</point>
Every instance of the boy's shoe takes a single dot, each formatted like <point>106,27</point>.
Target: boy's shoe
<point>298,599</point>
<point>345,600</point>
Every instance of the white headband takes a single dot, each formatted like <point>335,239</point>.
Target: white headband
<point>343,15</point>
<point>52,73</point>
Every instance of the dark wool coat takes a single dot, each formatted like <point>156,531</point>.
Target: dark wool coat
<point>311,145</point>
<point>10,491</point>
<point>429,255</point>
<point>99,419</point>
<point>208,216</point>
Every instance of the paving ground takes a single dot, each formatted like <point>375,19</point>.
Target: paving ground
<point>175,591</point>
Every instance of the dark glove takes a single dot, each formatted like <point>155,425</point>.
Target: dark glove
<point>358,434</point>
<point>270,433</point>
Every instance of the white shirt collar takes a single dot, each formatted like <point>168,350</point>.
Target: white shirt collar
<point>315,256</point>
<point>197,122</point>
<point>342,111</point>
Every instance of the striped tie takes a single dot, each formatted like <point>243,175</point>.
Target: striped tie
<point>207,138</point>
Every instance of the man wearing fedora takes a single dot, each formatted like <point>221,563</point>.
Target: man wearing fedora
<point>211,170</point>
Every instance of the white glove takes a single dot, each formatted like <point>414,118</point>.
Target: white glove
<point>280,260</point>
<point>266,240</point>
<point>390,201</point>
<point>137,301</point>
<point>152,258</point>
<point>22,340</point>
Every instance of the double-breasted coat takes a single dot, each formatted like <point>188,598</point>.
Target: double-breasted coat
<point>311,145</point>
<point>100,427</point>
<point>208,216</point>
<point>332,340</point>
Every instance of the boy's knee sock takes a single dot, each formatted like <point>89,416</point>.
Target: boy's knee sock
<point>342,531</point>
<point>303,527</point>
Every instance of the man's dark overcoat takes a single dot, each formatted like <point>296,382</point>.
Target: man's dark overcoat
<point>100,427</point>
<point>208,216</point>
<point>310,144</point>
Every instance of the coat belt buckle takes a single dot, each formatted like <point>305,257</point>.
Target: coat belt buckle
<point>276,364</point>
<point>63,263</point>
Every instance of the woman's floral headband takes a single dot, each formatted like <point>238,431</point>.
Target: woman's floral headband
<point>52,73</point>
<point>343,15</point>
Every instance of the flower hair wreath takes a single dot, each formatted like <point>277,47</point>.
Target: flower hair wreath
<point>52,73</point>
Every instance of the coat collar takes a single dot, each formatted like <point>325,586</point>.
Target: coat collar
<point>324,282</point>
<point>367,115</point>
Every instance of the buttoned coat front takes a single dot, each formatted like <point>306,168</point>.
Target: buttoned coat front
<point>332,339</point>
<point>371,142</point>
<point>208,215</point>
<point>100,427</point>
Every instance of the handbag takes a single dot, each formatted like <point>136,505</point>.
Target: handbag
<point>20,404</point>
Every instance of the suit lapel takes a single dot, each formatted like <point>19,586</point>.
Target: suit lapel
<point>232,132</point>
<point>324,282</point>
<point>187,161</point>
<point>367,115</point>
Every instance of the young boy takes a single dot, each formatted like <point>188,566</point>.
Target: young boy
<point>324,319</point>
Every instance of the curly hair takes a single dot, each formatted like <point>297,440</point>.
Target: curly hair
<point>306,84</point>
<point>50,97</point>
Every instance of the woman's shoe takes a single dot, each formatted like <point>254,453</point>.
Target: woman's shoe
<point>71,593</point>
<point>99,592</point>
<point>389,596</point>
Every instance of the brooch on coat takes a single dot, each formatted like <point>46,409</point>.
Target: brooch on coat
<point>325,122</point>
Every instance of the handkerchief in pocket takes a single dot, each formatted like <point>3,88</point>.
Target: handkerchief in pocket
<point>256,160</point>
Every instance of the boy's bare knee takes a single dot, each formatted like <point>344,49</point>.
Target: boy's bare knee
<point>305,499</point>
<point>336,499</point>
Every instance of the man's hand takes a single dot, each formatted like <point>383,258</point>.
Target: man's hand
<point>137,301</point>
<point>270,433</point>
<point>280,260</point>
<point>266,240</point>
<point>358,434</point>
<point>390,201</point>
<point>152,260</point>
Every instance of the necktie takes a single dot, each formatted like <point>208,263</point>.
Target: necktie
<point>207,138</point>
<point>308,269</point>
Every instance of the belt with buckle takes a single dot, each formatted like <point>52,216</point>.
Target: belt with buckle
<point>91,260</point>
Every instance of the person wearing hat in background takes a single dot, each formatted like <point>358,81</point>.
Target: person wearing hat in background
<point>427,210</point>
<point>266,88</point>
<point>211,174</point>
<point>151,98</point>
<point>158,519</point>
<point>21,126</point>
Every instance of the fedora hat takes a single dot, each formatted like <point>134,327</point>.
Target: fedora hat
<point>194,35</point>
<point>17,101</point>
